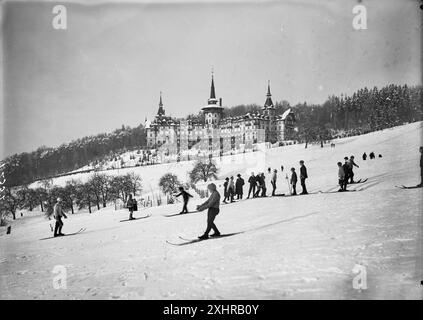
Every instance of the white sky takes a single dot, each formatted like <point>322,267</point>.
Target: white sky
<point>108,67</point>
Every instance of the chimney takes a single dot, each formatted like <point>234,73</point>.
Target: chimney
<point>220,101</point>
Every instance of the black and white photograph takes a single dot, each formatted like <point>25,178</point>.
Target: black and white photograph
<point>187,150</point>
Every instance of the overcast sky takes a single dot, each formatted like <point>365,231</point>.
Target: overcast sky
<point>108,67</point>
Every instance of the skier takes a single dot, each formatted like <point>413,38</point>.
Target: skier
<point>231,189</point>
<point>212,204</point>
<point>185,195</point>
<point>364,156</point>
<point>58,214</point>
<point>252,181</point>
<point>130,205</point>
<point>372,155</point>
<point>239,185</point>
<point>421,166</point>
<point>341,177</point>
<point>293,181</point>
<point>263,185</point>
<point>352,164</point>
<point>225,190</point>
<point>273,181</point>
<point>303,177</point>
<point>346,167</point>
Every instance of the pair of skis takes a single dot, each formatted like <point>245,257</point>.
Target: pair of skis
<point>138,218</point>
<point>66,235</point>
<point>186,241</point>
<point>409,187</point>
<point>179,214</point>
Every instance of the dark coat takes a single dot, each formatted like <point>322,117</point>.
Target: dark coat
<point>185,195</point>
<point>294,178</point>
<point>347,169</point>
<point>252,180</point>
<point>303,172</point>
<point>238,185</point>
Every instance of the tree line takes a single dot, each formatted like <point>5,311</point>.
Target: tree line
<point>97,192</point>
<point>46,162</point>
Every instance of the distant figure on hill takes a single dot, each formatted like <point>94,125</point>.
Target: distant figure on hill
<point>58,214</point>
<point>294,180</point>
<point>372,155</point>
<point>212,204</point>
<point>252,181</point>
<point>364,156</point>
<point>185,196</point>
<point>303,177</point>
<point>239,186</point>
<point>380,156</point>
<point>130,205</point>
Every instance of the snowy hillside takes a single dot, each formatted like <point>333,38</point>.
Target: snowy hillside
<point>287,248</point>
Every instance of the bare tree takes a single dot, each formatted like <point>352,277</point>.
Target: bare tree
<point>203,170</point>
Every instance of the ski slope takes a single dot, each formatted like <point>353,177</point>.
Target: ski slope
<point>303,247</point>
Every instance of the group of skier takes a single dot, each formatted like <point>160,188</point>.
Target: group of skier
<point>257,188</point>
<point>346,173</point>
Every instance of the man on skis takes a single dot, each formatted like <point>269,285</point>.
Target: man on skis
<point>212,204</point>
<point>352,164</point>
<point>185,196</point>
<point>303,177</point>
<point>130,204</point>
<point>58,214</point>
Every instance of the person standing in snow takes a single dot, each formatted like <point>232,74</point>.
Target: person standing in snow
<point>263,185</point>
<point>352,164</point>
<point>273,181</point>
<point>225,190</point>
<point>185,195</point>
<point>341,178</point>
<point>259,184</point>
<point>130,205</point>
<point>58,214</point>
<point>364,156</point>
<point>239,185</point>
<point>346,167</point>
<point>294,180</point>
<point>303,177</point>
<point>231,189</point>
<point>212,204</point>
<point>252,181</point>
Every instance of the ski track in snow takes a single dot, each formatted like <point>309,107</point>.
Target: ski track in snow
<point>290,247</point>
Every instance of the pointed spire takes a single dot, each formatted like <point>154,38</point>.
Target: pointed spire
<point>212,99</point>
<point>269,102</point>
<point>212,90</point>
<point>161,111</point>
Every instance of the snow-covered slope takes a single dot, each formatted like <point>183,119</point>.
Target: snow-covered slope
<point>288,248</point>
